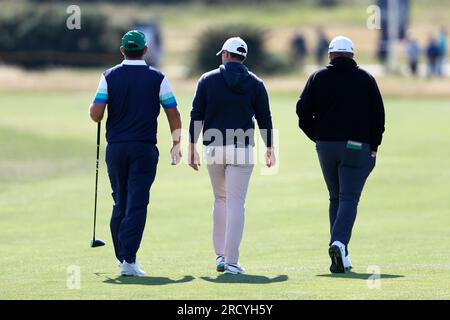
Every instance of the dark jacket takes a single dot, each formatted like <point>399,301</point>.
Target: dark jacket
<point>228,98</point>
<point>342,102</point>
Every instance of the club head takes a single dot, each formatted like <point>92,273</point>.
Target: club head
<point>97,243</point>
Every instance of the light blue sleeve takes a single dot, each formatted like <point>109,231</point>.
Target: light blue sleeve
<point>166,97</point>
<point>102,92</point>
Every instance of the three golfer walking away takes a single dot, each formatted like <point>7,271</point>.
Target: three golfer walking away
<point>341,110</point>
<point>133,93</point>
<point>225,103</point>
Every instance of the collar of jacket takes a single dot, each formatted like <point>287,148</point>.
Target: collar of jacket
<point>342,63</point>
<point>235,66</point>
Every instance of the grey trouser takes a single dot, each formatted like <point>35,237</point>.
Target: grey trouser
<point>345,171</point>
<point>229,169</point>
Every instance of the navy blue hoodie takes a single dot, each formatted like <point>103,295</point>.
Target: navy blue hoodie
<point>227,99</point>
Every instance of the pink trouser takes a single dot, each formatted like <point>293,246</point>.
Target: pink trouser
<point>230,175</point>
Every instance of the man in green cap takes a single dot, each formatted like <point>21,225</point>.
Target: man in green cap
<point>133,93</point>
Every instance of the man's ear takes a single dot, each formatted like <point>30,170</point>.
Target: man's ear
<point>145,51</point>
<point>122,51</point>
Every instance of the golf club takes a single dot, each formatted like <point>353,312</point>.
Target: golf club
<point>96,242</point>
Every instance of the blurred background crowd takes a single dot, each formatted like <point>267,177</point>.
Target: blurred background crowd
<point>433,53</point>
<point>285,37</point>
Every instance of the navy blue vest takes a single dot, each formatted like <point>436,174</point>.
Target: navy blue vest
<point>133,103</point>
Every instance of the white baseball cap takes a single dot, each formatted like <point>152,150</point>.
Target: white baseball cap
<point>235,45</point>
<point>341,44</point>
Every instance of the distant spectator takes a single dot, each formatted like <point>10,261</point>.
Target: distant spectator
<point>433,55</point>
<point>442,44</point>
<point>153,35</point>
<point>299,50</point>
<point>382,52</point>
<point>322,46</point>
<point>413,54</point>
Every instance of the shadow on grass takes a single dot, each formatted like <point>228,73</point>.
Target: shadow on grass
<point>147,281</point>
<point>245,278</point>
<point>361,276</point>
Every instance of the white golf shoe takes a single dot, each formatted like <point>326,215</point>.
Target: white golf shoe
<point>131,270</point>
<point>347,263</point>
<point>337,256</point>
<point>220,263</point>
<point>234,268</point>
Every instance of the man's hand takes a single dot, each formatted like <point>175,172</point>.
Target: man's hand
<point>174,119</point>
<point>270,157</point>
<point>194,158</point>
<point>175,153</point>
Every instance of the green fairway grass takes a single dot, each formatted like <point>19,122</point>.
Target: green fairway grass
<point>47,167</point>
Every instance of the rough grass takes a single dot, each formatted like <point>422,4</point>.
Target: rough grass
<point>47,161</point>
<point>76,80</point>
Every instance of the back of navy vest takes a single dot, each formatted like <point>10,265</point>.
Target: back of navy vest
<point>133,103</point>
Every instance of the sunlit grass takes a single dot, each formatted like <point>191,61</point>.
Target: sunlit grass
<point>47,162</point>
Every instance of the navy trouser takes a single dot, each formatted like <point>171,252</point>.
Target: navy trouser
<point>131,170</point>
<point>345,171</point>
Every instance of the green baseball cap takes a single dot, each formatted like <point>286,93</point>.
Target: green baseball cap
<point>134,40</point>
